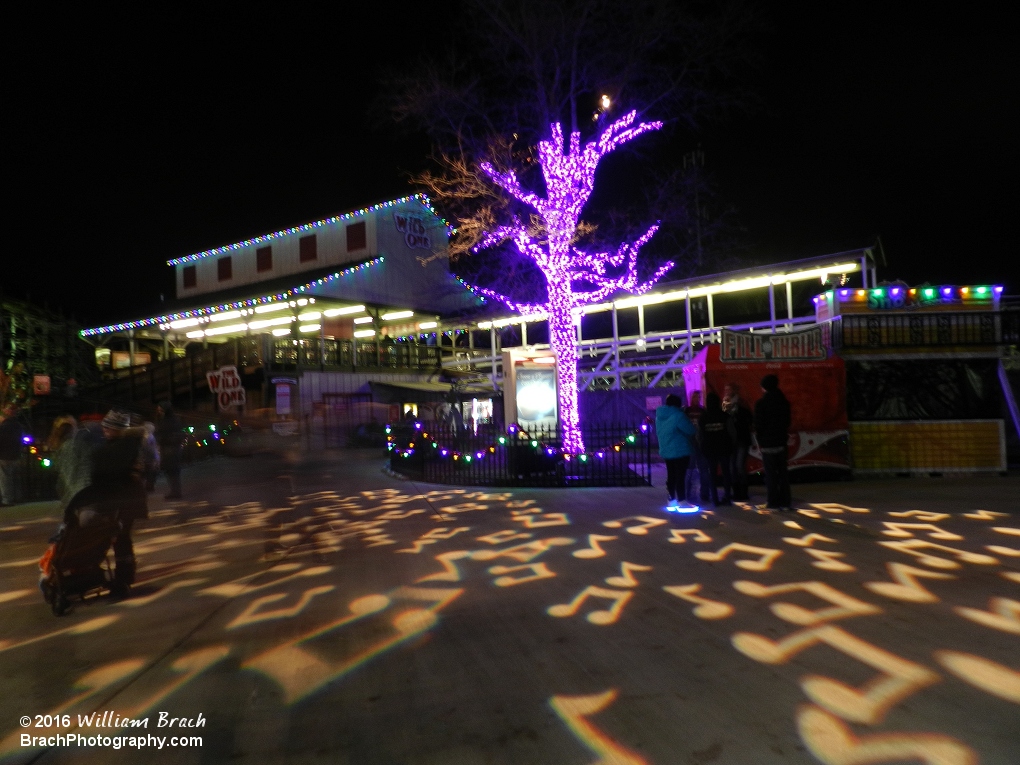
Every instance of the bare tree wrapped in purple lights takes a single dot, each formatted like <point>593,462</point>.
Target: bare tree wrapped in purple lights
<point>569,173</point>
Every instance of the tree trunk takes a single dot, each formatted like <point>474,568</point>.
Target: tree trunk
<point>563,339</point>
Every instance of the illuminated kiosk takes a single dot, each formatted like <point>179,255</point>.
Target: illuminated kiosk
<point>529,389</point>
<point>926,390</point>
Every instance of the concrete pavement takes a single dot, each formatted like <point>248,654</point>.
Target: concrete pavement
<point>312,608</point>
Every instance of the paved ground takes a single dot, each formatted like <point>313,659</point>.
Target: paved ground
<point>315,609</point>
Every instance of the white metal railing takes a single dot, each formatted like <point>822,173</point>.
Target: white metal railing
<point>679,344</point>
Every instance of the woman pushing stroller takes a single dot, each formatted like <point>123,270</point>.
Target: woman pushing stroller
<point>103,493</point>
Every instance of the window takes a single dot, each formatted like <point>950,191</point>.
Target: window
<point>190,277</point>
<point>264,259</point>
<point>308,248</point>
<point>356,237</point>
<point>224,270</point>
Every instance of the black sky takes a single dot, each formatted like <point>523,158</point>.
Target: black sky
<point>134,138</point>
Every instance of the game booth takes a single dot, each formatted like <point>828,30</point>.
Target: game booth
<point>812,380</point>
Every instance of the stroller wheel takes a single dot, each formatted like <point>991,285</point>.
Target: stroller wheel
<point>59,603</point>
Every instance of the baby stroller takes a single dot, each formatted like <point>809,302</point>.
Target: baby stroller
<point>76,564</point>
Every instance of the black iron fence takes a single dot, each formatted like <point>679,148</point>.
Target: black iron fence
<point>616,455</point>
<point>914,330</point>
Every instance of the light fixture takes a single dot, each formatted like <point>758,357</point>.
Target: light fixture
<point>428,325</point>
<point>309,328</point>
<point>270,308</point>
<point>343,311</point>
<point>281,332</point>
<point>196,334</point>
<point>226,330</point>
<point>309,315</point>
<point>181,324</point>
<point>225,315</point>
<point>392,315</point>
<point>262,323</point>
<point>363,320</point>
<point>303,302</point>
<point>364,333</point>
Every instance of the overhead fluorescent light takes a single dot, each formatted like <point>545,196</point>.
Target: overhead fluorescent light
<point>225,315</point>
<point>343,311</point>
<point>364,333</point>
<point>428,325</point>
<point>281,332</point>
<point>226,330</point>
<point>195,334</point>
<point>392,315</point>
<point>182,323</point>
<point>309,315</point>
<point>271,307</point>
<point>309,327</point>
<point>363,320</point>
<point>262,323</point>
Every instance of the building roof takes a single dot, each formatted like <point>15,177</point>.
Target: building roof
<point>423,199</point>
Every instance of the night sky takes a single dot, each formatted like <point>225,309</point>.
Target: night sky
<point>134,138</point>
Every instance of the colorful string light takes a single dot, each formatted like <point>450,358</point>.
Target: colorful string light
<point>201,312</point>
<point>422,199</point>
<point>513,432</point>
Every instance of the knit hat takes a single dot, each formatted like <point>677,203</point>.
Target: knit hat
<point>115,420</point>
<point>770,382</point>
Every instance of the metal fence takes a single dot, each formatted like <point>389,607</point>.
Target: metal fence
<point>903,330</point>
<point>617,455</point>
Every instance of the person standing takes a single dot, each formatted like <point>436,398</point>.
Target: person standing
<point>676,434</point>
<point>698,467</point>
<point>11,452</point>
<point>170,439</point>
<point>740,424</point>
<point>717,447</point>
<point>771,425</point>
<point>118,489</point>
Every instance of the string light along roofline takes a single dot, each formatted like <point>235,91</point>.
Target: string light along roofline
<point>214,309</point>
<point>421,198</point>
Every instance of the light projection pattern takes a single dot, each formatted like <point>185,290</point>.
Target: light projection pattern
<point>569,172</point>
<point>375,624</point>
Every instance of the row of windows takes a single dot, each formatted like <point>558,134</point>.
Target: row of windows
<point>308,251</point>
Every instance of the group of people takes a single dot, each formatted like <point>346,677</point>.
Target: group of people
<point>700,443</point>
<point>110,470</point>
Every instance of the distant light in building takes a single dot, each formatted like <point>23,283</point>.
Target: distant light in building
<point>363,320</point>
<point>392,315</point>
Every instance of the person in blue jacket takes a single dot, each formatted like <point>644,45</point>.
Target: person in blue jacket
<point>676,435</point>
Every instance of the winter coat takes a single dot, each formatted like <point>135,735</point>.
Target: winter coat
<point>740,424</point>
<point>715,436</point>
<point>772,419</point>
<point>73,462</point>
<point>170,437</point>
<point>117,476</point>
<point>676,433</point>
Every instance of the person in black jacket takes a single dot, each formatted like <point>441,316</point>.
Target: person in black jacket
<point>117,486</point>
<point>740,423</point>
<point>717,446</point>
<point>170,438</point>
<point>771,423</point>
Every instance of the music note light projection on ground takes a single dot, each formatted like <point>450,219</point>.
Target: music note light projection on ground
<point>833,743</point>
<point>574,710</point>
<point>601,617</point>
<point>983,673</point>
<point>843,605</point>
<point>704,608</point>
<point>905,585</point>
<point>898,678</point>
<point>766,556</point>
